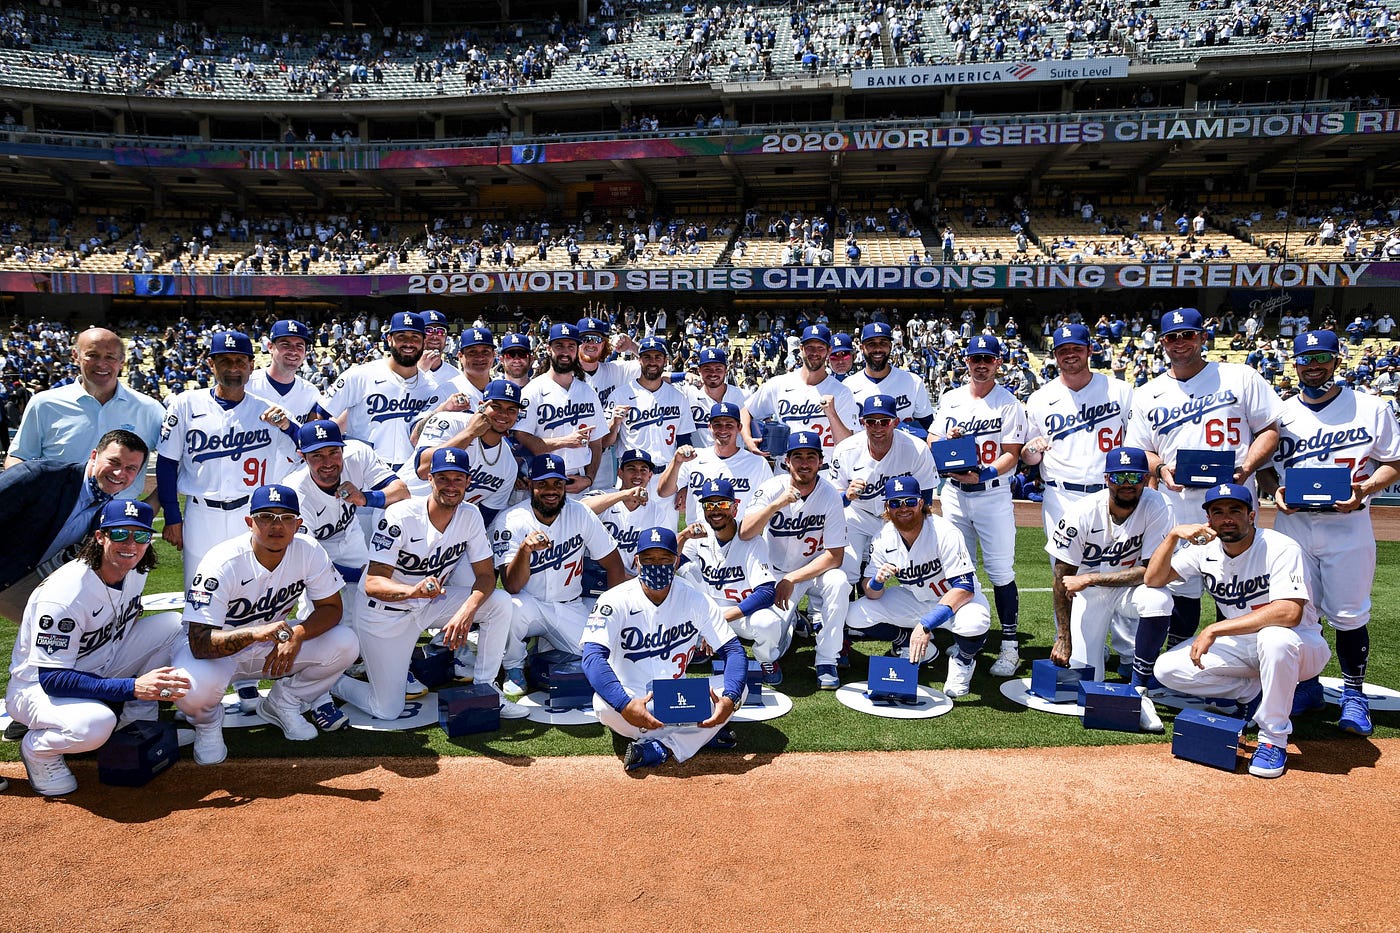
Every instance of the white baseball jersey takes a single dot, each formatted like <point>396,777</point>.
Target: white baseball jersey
<point>1352,430</point>
<point>553,411</point>
<point>224,453</point>
<point>799,532</point>
<point>381,406</point>
<point>648,642</point>
<point>789,399</point>
<point>625,525</point>
<point>74,621</point>
<point>457,381</point>
<point>938,553</point>
<point>446,374</point>
<point>325,516</point>
<point>1222,407</point>
<point>909,392</point>
<point>852,460</point>
<point>408,541</point>
<point>1271,569</point>
<point>492,471</point>
<point>297,399</point>
<point>1088,538</point>
<point>1081,426</point>
<point>993,421</point>
<point>232,589</point>
<point>655,419</point>
<point>745,471</point>
<point>556,572</point>
<point>727,573</point>
<point>700,405</point>
<point>611,374</point>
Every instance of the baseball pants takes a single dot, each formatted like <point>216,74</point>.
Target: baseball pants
<point>828,598</point>
<point>387,636</point>
<point>769,629</point>
<point>899,607</point>
<point>861,528</point>
<point>1339,556</point>
<point>1095,610</point>
<point>1239,667</point>
<point>67,725</point>
<point>561,623</point>
<point>985,517</point>
<point>204,527</point>
<point>683,741</point>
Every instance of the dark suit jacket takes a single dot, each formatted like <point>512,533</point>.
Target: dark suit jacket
<point>36,498</point>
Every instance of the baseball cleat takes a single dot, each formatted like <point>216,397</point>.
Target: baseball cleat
<point>959,680</point>
<point>289,719</point>
<point>1008,659</point>
<point>772,674</point>
<point>644,754</point>
<point>1269,761</point>
<point>1308,697</point>
<point>328,717</point>
<point>1356,712</point>
<point>209,747</point>
<point>515,684</point>
<point>48,774</point>
<point>843,660</point>
<point>723,740</point>
<point>464,672</point>
<point>510,709</point>
<point>413,688</point>
<point>802,627</point>
<point>1148,720</point>
<point>827,678</point>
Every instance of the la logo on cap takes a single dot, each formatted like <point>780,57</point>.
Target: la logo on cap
<point>1065,332</point>
<point>1124,458</point>
<point>320,431</point>
<point>1312,340</point>
<point>1224,490</point>
<point>229,341</point>
<point>1177,318</point>
<point>656,536</point>
<point>898,486</point>
<point>274,496</point>
<point>131,509</point>
<point>449,456</point>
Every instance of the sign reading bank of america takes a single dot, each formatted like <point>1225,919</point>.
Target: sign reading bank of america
<point>990,73</point>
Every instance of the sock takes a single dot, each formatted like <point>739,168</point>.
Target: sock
<point>1186,618</point>
<point>1008,600</point>
<point>1353,650</point>
<point>969,645</point>
<point>1151,634</point>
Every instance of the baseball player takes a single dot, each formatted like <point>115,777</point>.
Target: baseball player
<point>864,462</point>
<point>809,399</point>
<point>1074,420</point>
<point>84,648</point>
<point>647,629</point>
<point>801,518</point>
<point>435,353</point>
<point>517,359</point>
<point>563,415</point>
<point>734,574</point>
<point>289,343</point>
<point>540,546</point>
<point>1099,549</point>
<point>656,413</point>
<point>483,434</point>
<point>217,446</point>
<point>938,588</point>
<point>1330,424</point>
<point>1196,405</point>
<point>633,506</point>
<point>978,503</point>
<point>714,388</point>
<point>1268,638</point>
<point>605,376</point>
<point>910,394</point>
<point>238,611</point>
<point>843,356</point>
<point>692,467</point>
<point>410,587</point>
<point>462,390</point>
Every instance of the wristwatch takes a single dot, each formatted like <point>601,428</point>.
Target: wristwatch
<point>734,698</point>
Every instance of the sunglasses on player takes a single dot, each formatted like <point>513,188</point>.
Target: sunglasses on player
<point>1177,336</point>
<point>1126,478</point>
<point>1308,359</point>
<point>123,534</point>
<point>716,505</point>
<point>593,338</point>
<point>982,358</point>
<point>268,519</point>
<point>435,331</point>
<point>879,422</point>
<point>908,502</point>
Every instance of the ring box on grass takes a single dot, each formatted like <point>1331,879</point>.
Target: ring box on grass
<point>432,665</point>
<point>136,753</point>
<point>1057,684</point>
<point>568,687</point>
<point>955,455</point>
<point>681,701</point>
<point>543,662</point>
<point>469,709</point>
<point>1110,706</point>
<point>892,679</point>
<point>1207,738</point>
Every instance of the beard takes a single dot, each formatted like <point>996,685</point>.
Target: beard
<point>405,357</point>
<point>561,366</point>
<point>545,510</point>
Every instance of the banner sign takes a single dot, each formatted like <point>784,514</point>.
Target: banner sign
<point>1272,303</point>
<point>868,79</point>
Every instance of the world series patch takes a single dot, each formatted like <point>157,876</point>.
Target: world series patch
<point>51,642</point>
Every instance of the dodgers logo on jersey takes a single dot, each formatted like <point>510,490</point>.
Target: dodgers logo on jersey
<point>442,558</point>
<point>233,443</point>
<point>662,643</point>
<point>1059,426</point>
<point>976,427</point>
<point>555,416</point>
<point>553,556</point>
<point>918,574</point>
<point>799,411</point>
<point>1166,418</point>
<point>382,408</point>
<point>1321,446</point>
<point>642,418</point>
<point>1096,555</point>
<point>626,538</point>
<point>1235,591</point>
<point>272,604</point>
<point>114,630</point>
<point>799,526</point>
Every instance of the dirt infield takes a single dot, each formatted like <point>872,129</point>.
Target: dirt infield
<point>1086,839</point>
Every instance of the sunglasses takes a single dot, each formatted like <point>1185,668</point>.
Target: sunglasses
<point>268,519</point>
<point>1126,478</point>
<point>908,502</point>
<point>982,358</point>
<point>1177,336</point>
<point>716,505</point>
<point>436,331</point>
<point>124,534</point>
<point>593,338</point>
<point>1307,359</point>
<point>879,422</point>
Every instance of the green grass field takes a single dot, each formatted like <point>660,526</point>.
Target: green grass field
<point>983,719</point>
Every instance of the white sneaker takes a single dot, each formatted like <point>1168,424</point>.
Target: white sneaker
<point>413,688</point>
<point>1148,720</point>
<point>287,718</point>
<point>515,684</point>
<point>1007,660</point>
<point>959,680</point>
<point>48,774</point>
<point>209,747</point>
<point>510,709</point>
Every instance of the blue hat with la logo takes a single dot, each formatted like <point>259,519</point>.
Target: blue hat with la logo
<point>593,325</point>
<point>1067,334</point>
<point>713,355</point>
<point>125,513</point>
<point>817,332</point>
<point>563,332</point>
<point>878,405</point>
<point>1125,460</point>
<point>501,390</point>
<point>871,331</point>
<point>635,455</point>
<point>804,440</point>
<point>1315,341</point>
<point>317,434</point>
<point>1228,491</point>
<point>652,343</point>
<point>476,337</point>
<point>268,498</point>
<point>406,322</point>
<point>900,487</point>
<point>230,341</point>
<point>290,329</point>
<point>983,344</point>
<point>515,342</point>
<point>657,537</point>
<point>434,318</point>
<point>1182,319</point>
<point>841,343</point>
<point>449,460</point>
<point>715,489</point>
<point>546,466</point>
<point>724,410</point>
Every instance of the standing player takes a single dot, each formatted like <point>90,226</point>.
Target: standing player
<point>809,399</point>
<point>692,468</point>
<point>563,415</point>
<point>476,352</point>
<point>67,675</point>
<point>484,436</point>
<point>1195,405</point>
<point>1099,549</point>
<point>218,445</point>
<point>1268,637</point>
<point>410,587</point>
<point>978,503</point>
<point>714,388</point>
<point>540,546</point>
<point>1330,424</point>
<point>657,414</point>
<point>605,376</point>
<point>434,362</point>
<point>801,519</point>
<point>648,629</point>
<point>239,614</point>
<point>517,359</point>
<point>938,588</point>
<point>911,401</point>
<point>289,343</point>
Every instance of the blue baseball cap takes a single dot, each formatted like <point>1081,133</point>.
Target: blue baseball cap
<point>653,343</point>
<point>123,513</point>
<point>636,455</point>
<point>317,434</point>
<point>1125,460</point>
<point>1228,491</point>
<point>290,329</point>
<point>817,332</point>
<point>476,337</point>
<point>1182,319</point>
<point>898,487</point>
<point>876,330</point>
<point>433,318</point>
<point>716,489</point>
<point>713,355</point>
<point>724,410</point>
<point>230,341</point>
<point>804,440</point>
<point>501,390</point>
<point>267,498</point>
<point>658,536</point>
<point>563,332</point>
<point>1067,334</point>
<point>449,460</point>
<point>983,344</point>
<point>842,343</point>
<point>546,466</point>
<point>515,342</point>
<point>879,405</point>
<point>1315,341</point>
<point>402,322</point>
<point>593,325</point>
